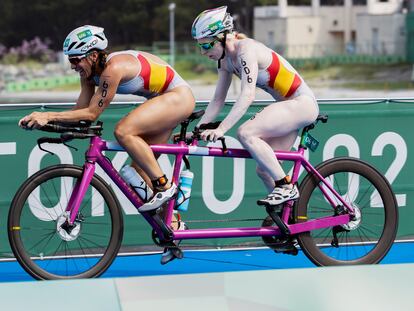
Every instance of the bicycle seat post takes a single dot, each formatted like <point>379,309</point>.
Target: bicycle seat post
<point>183,131</point>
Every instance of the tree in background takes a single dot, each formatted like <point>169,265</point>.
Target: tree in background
<point>126,22</point>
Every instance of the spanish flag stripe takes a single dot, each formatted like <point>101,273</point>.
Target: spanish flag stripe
<point>170,76</point>
<point>296,83</point>
<point>158,77</point>
<point>273,69</point>
<point>284,80</point>
<point>145,70</point>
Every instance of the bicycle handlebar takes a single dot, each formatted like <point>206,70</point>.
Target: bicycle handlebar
<point>69,131</point>
<point>209,126</point>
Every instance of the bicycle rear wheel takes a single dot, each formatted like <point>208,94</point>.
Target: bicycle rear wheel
<point>365,240</point>
<point>42,243</point>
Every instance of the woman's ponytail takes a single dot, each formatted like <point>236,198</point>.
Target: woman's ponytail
<point>240,36</point>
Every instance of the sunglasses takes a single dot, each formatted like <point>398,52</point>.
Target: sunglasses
<point>208,45</point>
<point>76,60</point>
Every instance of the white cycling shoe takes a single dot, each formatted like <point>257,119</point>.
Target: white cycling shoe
<point>159,199</point>
<point>280,195</point>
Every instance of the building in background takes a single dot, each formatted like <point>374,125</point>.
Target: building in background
<point>329,27</point>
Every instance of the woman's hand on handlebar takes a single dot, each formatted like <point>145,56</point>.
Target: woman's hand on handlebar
<point>34,120</point>
<point>176,136</point>
<point>212,135</point>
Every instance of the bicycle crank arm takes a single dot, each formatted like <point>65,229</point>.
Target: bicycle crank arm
<point>166,231</point>
<point>271,210</point>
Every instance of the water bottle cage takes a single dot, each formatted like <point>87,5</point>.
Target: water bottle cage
<point>182,193</point>
<point>145,199</point>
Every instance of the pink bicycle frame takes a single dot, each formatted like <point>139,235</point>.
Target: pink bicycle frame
<point>94,155</point>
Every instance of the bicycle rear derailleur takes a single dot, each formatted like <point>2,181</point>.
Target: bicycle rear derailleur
<point>339,210</point>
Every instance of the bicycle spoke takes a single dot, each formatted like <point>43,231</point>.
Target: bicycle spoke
<point>366,191</point>
<point>56,192</point>
<point>43,209</point>
<point>95,235</point>
<point>42,240</point>
<point>85,249</point>
<point>86,258</point>
<point>364,228</point>
<point>91,242</point>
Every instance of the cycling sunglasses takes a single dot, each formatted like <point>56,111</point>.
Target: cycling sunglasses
<point>76,60</point>
<point>207,45</point>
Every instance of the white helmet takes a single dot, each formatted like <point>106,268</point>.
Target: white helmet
<point>210,23</point>
<point>84,39</point>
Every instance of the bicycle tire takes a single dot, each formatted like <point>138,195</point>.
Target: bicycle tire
<point>361,181</point>
<point>34,228</point>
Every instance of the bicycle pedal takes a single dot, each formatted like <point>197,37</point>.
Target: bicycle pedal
<point>286,248</point>
<point>178,253</point>
<point>170,254</point>
<point>293,252</point>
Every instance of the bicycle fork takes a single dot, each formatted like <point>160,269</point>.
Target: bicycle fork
<point>79,191</point>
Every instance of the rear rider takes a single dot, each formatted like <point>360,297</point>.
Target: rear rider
<point>169,101</point>
<point>276,126</point>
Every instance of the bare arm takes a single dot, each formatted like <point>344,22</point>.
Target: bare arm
<point>219,98</point>
<point>99,101</point>
<point>249,70</point>
<point>85,96</point>
<point>109,81</point>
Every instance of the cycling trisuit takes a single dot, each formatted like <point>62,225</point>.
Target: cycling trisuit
<point>154,79</point>
<point>279,79</point>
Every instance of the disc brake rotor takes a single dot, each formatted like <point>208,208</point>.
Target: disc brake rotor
<point>66,231</point>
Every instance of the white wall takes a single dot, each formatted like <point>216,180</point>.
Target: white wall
<point>331,14</point>
<point>265,28</point>
<point>301,37</point>
<point>306,35</point>
<point>376,7</point>
<point>390,31</point>
<point>266,11</point>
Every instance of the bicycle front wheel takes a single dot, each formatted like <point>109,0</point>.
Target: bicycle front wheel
<point>364,240</point>
<point>42,241</point>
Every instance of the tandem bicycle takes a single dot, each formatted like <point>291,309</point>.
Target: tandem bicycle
<point>66,222</point>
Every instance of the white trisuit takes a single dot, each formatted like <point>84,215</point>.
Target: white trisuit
<point>276,126</point>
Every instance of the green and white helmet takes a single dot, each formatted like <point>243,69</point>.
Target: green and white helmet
<point>210,23</point>
<point>84,39</point>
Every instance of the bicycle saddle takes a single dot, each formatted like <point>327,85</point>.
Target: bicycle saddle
<point>196,115</point>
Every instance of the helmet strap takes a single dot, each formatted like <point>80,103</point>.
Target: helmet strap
<point>223,44</point>
<point>93,71</point>
<point>100,62</point>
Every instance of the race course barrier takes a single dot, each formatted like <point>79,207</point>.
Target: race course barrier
<point>378,131</point>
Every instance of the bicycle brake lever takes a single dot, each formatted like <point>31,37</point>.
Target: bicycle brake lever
<point>68,137</point>
<point>43,140</point>
<point>45,150</point>
<point>67,145</point>
<point>223,143</point>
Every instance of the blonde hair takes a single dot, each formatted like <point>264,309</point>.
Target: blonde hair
<point>240,35</point>
<point>236,35</point>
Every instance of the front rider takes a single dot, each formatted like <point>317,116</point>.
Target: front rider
<point>169,101</point>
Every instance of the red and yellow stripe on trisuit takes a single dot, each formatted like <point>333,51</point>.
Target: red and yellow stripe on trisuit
<point>156,77</point>
<point>281,79</point>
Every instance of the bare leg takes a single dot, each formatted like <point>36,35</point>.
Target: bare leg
<point>277,123</point>
<point>161,138</point>
<point>277,143</point>
<point>155,118</point>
